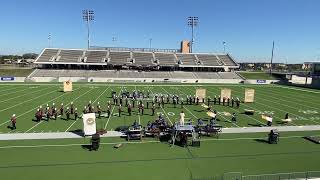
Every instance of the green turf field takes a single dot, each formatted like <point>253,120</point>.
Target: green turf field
<point>246,153</point>
<point>23,100</point>
<point>257,75</point>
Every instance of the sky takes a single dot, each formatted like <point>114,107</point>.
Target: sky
<point>247,26</point>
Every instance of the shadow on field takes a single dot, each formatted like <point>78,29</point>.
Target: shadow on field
<point>261,141</point>
<point>78,132</point>
<point>255,125</point>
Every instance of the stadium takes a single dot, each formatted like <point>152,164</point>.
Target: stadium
<point>126,112</point>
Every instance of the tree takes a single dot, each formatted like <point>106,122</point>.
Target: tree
<point>29,56</point>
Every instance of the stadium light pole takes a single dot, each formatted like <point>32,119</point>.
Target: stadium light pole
<point>192,22</point>
<point>271,58</point>
<point>224,47</point>
<point>150,43</point>
<point>88,15</point>
<point>49,40</point>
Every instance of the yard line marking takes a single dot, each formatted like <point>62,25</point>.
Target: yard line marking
<point>92,103</point>
<point>9,89</point>
<point>37,107</point>
<point>14,92</point>
<point>24,95</point>
<point>111,114</point>
<point>141,142</point>
<point>34,127</point>
<point>163,110</point>
<point>27,101</point>
<point>298,89</point>
<point>292,96</point>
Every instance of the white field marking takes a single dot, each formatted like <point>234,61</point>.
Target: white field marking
<point>281,99</point>
<point>33,127</point>
<point>247,116</point>
<point>92,103</point>
<point>198,118</point>
<point>8,89</point>
<point>37,107</point>
<point>164,110</point>
<point>298,89</point>
<point>14,92</point>
<point>293,95</point>
<point>105,127</point>
<point>28,100</point>
<point>24,95</point>
<point>260,110</point>
<point>281,109</point>
<point>139,142</point>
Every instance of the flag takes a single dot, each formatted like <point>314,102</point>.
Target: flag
<point>89,124</point>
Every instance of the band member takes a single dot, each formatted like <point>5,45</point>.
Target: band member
<point>41,111</point>
<point>147,104</point>
<point>194,99</point>
<point>181,102</point>
<point>13,122</point>
<point>234,118</point>
<point>116,103</point>
<point>269,119</point>
<point>174,102</point>
<point>215,100</point>
<point>99,110</point>
<point>37,115</point>
<point>238,102</point>
<point>109,110</point>
<point>48,113</point>
<point>228,101</point>
<point>126,101</point>
<point>209,101</point>
<point>53,106</point>
<point>162,102</point>
<point>85,110</point>
<point>68,113</point>
<point>129,109</point>
<point>197,100</point>
<point>219,100</point>
<point>90,107</point>
<point>168,98</point>
<point>114,99</point>
<point>232,102</point>
<point>223,101</point>
<point>119,109</point>
<point>55,113</point>
<point>187,99</point>
<point>133,102</point>
<point>142,109</point>
<point>120,100</point>
<point>286,116</point>
<point>75,114</point>
<point>190,100</point>
<point>71,107</point>
<point>153,109</point>
<point>61,109</point>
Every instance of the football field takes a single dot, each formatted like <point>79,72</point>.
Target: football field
<point>24,99</point>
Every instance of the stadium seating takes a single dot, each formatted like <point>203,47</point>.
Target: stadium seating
<point>165,59</point>
<point>48,55</point>
<point>120,58</point>
<point>187,59</point>
<point>227,60</point>
<point>143,59</point>
<point>70,56</point>
<point>96,56</point>
<point>207,75</point>
<point>229,75</point>
<point>209,60</point>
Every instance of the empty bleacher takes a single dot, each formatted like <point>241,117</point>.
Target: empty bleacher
<point>229,75</point>
<point>227,60</point>
<point>144,59</point>
<point>187,59</point>
<point>165,59</point>
<point>119,58</point>
<point>96,56</point>
<point>70,56</point>
<point>207,75</point>
<point>209,59</point>
<point>48,55</point>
